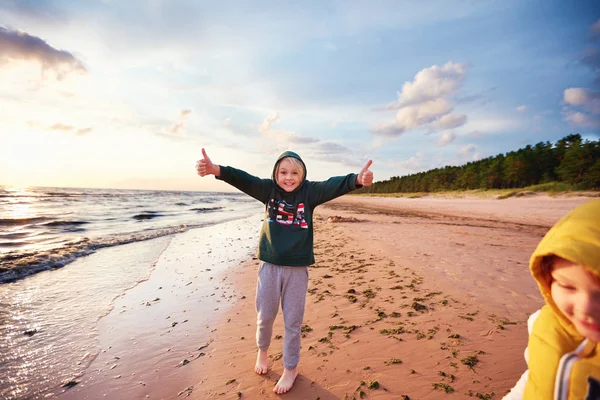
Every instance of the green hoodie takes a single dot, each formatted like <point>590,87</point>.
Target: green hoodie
<point>286,236</point>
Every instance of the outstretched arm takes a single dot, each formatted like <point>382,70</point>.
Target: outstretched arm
<point>337,186</point>
<point>365,176</point>
<point>206,167</point>
<point>249,184</point>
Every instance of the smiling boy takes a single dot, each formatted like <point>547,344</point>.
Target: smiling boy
<point>563,356</point>
<point>285,246</point>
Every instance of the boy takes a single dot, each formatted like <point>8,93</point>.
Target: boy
<point>562,354</point>
<point>285,246</point>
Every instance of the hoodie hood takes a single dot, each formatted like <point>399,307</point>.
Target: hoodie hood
<point>281,157</point>
<point>576,237</point>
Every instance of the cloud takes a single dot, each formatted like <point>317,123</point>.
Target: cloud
<point>469,153</point>
<point>595,30</point>
<point>178,127</point>
<point>582,120</point>
<point>266,125</point>
<point>431,83</point>
<point>412,165</point>
<point>446,138</point>
<point>591,58</point>
<point>423,102</point>
<point>475,134</point>
<point>522,108</point>
<point>83,131</point>
<point>234,128</point>
<point>586,98</point>
<point>347,159</point>
<point>60,127</point>
<point>414,116</point>
<point>297,139</point>
<point>17,45</point>
<point>280,140</point>
<point>468,150</point>
<point>582,108</point>
<point>335,153</point>
<point>450,121</point>
<point>482,96</point>
<point>591,55</point>
<point>387,130</point>
<point>329,148</point>
<point>582,105</point>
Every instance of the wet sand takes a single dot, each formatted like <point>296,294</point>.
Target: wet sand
<point>409,297</point>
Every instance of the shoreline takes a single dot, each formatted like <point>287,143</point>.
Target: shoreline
<point>400,296</point>
<point>161,325</point>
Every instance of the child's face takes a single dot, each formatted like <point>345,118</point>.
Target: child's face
<point>288,178</point>
<point>577,294</point>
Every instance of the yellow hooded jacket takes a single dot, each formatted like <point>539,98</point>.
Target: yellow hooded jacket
<point>562,363</point>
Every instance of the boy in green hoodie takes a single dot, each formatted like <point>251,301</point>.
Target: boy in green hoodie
<point>285,246</point>
<point>563,356</point>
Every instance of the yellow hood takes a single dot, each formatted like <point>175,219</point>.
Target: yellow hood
<point>576,237</point>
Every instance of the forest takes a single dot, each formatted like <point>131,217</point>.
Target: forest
<point>571,160</point>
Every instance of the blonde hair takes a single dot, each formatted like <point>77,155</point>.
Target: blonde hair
<point>297,166</point>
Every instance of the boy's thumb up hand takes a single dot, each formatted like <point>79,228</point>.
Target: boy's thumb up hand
<point>205,166</point>
<point>365,176</point>
<point>205,156</point>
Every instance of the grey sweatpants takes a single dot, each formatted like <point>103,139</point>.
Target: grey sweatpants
<point>288,284</point>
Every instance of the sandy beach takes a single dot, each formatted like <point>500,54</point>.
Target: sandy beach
<point>409,299</point>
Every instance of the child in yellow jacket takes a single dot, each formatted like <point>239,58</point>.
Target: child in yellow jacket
<point>563,356</point>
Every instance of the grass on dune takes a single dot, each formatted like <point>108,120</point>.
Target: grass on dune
<point>552,189</point>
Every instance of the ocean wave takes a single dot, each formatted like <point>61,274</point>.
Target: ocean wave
<point>65,223</point>
<point>239,199</point>
<point>14,235</point>
<point>48,231</point>
<point>13,195</point>
<point>15,265</point>
<point>206,209</point>
<point>13,203</point>
<point>13,244</point>
<point>64,226</point>
<point>147,215</point>
<point>207,200</point>
<point>61,194</point>
<point>22,221</point>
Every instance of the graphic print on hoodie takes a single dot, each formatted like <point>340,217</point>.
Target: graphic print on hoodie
<point>284,213</point>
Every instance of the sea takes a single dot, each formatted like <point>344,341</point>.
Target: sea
<point>58,275</point>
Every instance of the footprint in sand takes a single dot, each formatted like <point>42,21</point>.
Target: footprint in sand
<point>487,333</point>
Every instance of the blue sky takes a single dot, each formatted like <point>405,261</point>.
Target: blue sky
<point>124,94</point>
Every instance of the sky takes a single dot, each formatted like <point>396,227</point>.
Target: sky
<point>125,94</point>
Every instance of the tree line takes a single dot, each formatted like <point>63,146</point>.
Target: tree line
<point>570,160</point>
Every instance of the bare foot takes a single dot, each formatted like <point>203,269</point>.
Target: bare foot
<point>284,384</point>
<point>262,362</point>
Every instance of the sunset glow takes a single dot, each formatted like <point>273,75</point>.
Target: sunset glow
<point>125,94</point>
